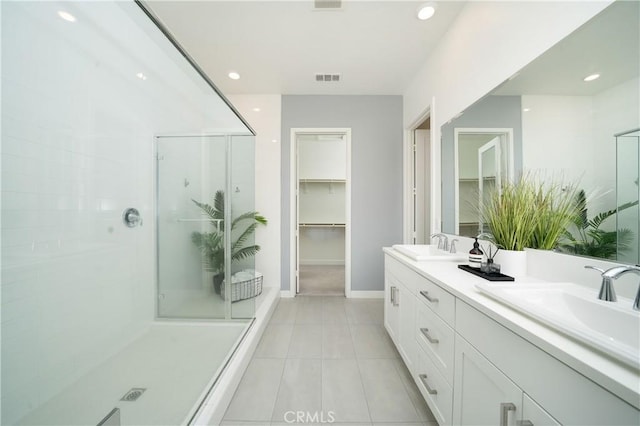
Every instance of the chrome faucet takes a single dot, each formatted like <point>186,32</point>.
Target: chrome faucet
<point>452,249</point>
<point>443,241</point>
<point>607,292</point>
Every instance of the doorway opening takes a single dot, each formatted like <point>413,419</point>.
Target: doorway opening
<point>320,171</point>
<point>418,184</point>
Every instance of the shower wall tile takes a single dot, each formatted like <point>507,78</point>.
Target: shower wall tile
<point>77,149</point>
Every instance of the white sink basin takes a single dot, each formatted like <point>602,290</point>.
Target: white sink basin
<point>427,252</point>
<point>612,327</point>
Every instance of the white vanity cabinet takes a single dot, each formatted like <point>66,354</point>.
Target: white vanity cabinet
<point>421,317</point>
<point>473,370</point>
<point>399,315</point>
<point>561,394</point>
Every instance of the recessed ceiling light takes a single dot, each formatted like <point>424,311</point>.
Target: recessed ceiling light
<point>66,16</point>
<point>234,75</point>
<point>592,77</point>
<point>526,109</point>
<point>141,76</point>
<point>274,141</point>
<point>256,109</point>
<point>426,11</point>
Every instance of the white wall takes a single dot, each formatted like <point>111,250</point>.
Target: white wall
<point>614,111</point>
<point>489,42</point>
<point>578,131</point>
<point>266,124</point>
<point>376,176</point>
<point>77,149</point>
<point>558,138</point>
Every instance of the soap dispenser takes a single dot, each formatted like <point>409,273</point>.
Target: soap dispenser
<point>475,255</point>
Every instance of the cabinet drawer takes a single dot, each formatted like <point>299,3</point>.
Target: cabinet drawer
<point>437,339</point>
<point>437,299</point>
<point>434,296</point>
<point>434,388</point>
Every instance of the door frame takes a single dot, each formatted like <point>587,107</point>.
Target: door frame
<point>503,132</point>
<point>434,201</point>
<point>294,255</point>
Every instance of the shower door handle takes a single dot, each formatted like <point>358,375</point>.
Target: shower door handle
<point>131,217</point>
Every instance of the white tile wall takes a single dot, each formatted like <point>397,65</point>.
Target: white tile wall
<point>77,134</point>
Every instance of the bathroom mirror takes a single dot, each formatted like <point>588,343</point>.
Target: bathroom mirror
<point>562,125</point>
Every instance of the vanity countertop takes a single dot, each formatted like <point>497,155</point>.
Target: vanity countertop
<point>619,379</point>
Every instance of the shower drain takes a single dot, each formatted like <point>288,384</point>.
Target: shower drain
<point>133,394</point>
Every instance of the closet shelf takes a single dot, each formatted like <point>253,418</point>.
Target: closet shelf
<point>322,180</point>
<point>321,225</point>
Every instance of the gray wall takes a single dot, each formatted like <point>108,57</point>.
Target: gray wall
<point>376,175</point>
<point>490,112</point>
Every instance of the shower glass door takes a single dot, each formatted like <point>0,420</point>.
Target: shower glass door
<point>628,194</point>
<point>195,174</point>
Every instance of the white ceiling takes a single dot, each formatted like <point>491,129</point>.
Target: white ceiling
<point>279,46</point>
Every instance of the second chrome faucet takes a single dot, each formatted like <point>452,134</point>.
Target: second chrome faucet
<point>607,292</point>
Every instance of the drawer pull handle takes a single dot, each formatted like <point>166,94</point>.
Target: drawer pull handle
<point>423,379</point>
<point>430,338</point>
<point>524,423</point>
<point>425,294</point>
<point>505,407</point>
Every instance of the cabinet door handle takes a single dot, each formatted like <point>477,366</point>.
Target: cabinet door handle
<point>396,302</point>
<point>524,423</point>
<point>391,294</point>
<point>505,407</point>
<point>430,338</point>
<point>425,294</point>
<point>430,390</point>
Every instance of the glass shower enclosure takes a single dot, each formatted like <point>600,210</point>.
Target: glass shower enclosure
<point>109,134</point>
<point>628,194</point>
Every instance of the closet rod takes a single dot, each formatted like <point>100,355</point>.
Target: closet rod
<point>322,225</point>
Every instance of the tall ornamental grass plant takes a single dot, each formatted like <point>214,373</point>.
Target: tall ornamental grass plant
<point>531,212</point>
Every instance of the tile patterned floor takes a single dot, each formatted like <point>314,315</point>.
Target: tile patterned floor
<point>331,358</point>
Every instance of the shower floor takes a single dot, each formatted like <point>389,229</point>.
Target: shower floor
<point>173,362</point>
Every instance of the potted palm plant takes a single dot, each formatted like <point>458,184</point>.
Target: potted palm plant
<point>590,239</point>
<point>211,244</point>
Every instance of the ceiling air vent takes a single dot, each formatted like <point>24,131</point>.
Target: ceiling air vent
<point>327,4</point>
<point>328,77</point>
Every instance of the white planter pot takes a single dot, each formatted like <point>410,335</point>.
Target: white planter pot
<point>512,263</point>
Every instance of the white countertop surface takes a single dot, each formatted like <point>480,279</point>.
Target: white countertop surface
<point>612,375</point>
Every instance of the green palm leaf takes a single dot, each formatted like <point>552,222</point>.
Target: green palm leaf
<point>211,244</point>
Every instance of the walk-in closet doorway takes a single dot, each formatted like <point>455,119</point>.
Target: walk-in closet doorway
<point>321,196</point>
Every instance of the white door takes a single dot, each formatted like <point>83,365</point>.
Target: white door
<point>489,173</point>
<point>421,186</point>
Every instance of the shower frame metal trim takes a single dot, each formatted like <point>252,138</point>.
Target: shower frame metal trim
<point>165,31</point>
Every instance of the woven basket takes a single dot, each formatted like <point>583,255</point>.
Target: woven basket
<point>243,289</point>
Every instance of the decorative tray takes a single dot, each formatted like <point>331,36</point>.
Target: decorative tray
<point>492,276</point>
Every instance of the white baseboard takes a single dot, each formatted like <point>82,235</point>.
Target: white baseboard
<point>377,294</point>
<point>369,294</point>
<point>287,294</point>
